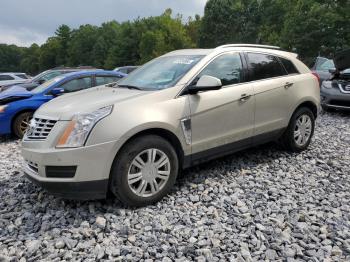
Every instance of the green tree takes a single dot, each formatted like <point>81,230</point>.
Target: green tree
<point>81,45</point>
<point>10,57</point>
<point>30,61</point>
<point>62,34</point>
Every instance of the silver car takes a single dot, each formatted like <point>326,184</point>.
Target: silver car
<point>185,107</point>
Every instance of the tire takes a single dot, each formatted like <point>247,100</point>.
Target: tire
<point>126,167</point>
<point>21,123</point>
<point>288,139</point>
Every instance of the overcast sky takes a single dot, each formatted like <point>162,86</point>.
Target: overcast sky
<point>23,22</point>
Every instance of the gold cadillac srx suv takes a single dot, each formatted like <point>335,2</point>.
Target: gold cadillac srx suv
<point>132,138</point>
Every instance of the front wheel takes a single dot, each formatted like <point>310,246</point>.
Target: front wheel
<point>144,171</point>
<point>21,123</point>
<point>300,130</point>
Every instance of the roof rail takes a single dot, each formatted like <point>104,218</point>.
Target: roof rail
<point>250,45</point>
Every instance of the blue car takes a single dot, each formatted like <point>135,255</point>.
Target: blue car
<point>17,104</point>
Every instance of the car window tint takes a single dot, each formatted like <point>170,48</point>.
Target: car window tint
<point>51,75</point>
<point>23,76</point>
<point>325,65</point>
<point>77,84</point>
<point>262,66</point>
<point>6,77</point>
<point>103,80</point>
<point>131,69</point>
<point>123,70</point>
<point>228,68</point>
<point>289,66</point>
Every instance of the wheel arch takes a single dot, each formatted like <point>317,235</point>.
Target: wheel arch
<point>24,110</point>
<point>308,104</point>
<point>164,133</point>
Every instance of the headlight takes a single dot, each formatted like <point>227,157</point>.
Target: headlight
<point>79,128</point>
<point>2,108</point>
<point>327,84</point>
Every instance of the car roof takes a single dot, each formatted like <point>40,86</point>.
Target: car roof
<point>92,72</point>
<point>235,47</point>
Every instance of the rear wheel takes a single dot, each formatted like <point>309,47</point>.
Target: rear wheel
<point>21,123</point>
<point>300,130</point>
<point>144,171</point>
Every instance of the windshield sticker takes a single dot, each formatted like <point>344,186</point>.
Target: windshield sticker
<point>184,61</point>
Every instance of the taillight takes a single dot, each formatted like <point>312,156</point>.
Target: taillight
<point>317,77</point>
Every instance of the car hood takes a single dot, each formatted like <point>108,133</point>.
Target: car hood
<point>342,60</point>
<point>15,91</point>
<point>65,106</point>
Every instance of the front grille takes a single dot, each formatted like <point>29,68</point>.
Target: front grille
<point>340,103</point>
<point>40,128</point>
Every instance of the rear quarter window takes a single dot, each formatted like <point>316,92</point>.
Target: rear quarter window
<point>289,66</point>
<point>264,66</point>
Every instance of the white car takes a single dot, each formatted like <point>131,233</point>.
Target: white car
<point>12,78</point>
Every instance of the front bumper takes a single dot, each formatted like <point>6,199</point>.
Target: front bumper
<point>73,190</point>
<point>334,98</point>
<point>87,180</point>
<point>5,124</point>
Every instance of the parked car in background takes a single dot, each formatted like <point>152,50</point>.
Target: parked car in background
<point>322,67</point>
<point>12,78</point>
<point>45,76</point>
<point>17,104</point>
<point>126,69</point>
<point>335,92</point>
<point>178,110</point>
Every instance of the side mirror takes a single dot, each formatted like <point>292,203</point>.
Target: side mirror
<point>57,91</point>
<point>41,81</point>
<point>205,83</point>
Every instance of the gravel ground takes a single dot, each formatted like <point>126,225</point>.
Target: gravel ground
<point>260,204</point>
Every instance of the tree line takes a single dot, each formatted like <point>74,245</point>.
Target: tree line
<point>307,27</point>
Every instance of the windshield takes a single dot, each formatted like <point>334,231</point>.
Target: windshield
<point>324,64</point>
<point>161,73</point>
<point>45,85</point>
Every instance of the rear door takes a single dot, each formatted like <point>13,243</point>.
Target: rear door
<point>222,120</point>
<point>272,86</point>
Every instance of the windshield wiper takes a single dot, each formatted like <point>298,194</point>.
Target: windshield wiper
<point>130,87</point>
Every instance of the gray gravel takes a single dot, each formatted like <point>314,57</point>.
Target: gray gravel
<point>260,204</point>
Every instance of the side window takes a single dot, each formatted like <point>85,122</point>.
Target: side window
<point>262,66</point>
<point>289,66</point>
<point>6,77</point>
<point>50,75</point>
<point>123,70</point>
<point>77,84</point>
<point>228,68</point>
<point>23,76</point>
<point>103,80</point>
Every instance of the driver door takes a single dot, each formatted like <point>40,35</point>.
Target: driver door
<point>222,120</point>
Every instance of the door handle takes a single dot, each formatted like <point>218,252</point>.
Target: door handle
<point>244,97</point>
<point>288,85</point>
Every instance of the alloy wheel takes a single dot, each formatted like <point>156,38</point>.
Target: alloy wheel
<point>302,130</point>
<point>149,172</point>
